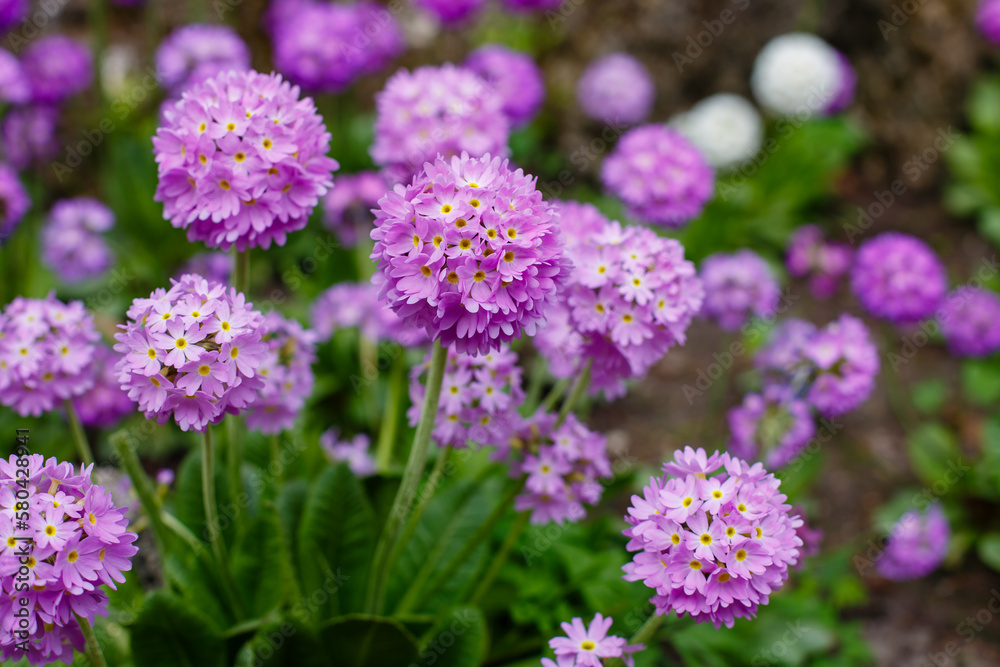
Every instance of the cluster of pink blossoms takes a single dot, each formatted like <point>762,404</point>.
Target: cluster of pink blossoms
<point>470,252</point>
<point>46,347</point>
<point>631,298</point>
<point>286,369</point>
<point>711,545</point>
<point>191,352</point>
<point>434,111</point>
<point>357,306</point>
<point>563,465</point>
<point>79,542</point>
<point>588,646</point>
<point>242,160</point>
<point>479,398</point>
<point>104,404</point>
<point>354,452</point>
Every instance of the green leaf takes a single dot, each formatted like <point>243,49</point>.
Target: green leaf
<point>932,448</point>
<point>284,643</point>
<point>981,381</point>
<point>257,562</point>
<point>336,541</point>
<point>983,104</point>
<point>989,550</point>
<point>168,633</point>
<point>459,639</point>
<point>929,396</point>
<point>368,641</point>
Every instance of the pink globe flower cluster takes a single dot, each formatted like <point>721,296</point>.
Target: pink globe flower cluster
<point>57,67</point>
<point>191,352</point>
<point>354,452</point>
<point>196,52</point>
<point>13,12</point>
<point>46,349</point>
<point>589,646</point>
<point>327,46</point>
<point>357,306</point>
<point>713,537</point>
<point>616,89</point>
<point>73,244</point>
<point>14,85</point>
<point>662,178</point>
<point>988,20</point>
<point>563,466</point>
<point>820,261</point>
<point>242,161</point>
<point>771,427</point>
<point>286,371</point>
<point>347,208</point>
<point>833,368</point>
<point>470,252</point>
<point>479,398</point>
<point>29,136</point>
<point>738,286</point>
<point>917,545</point>
<point>14,202</point>
<point>630,298</point>
<point>898,278</point>
<point>434,111</point>
<point>79,543</point>
<point>970,322</point>
<point>516,78</point>
<point>105,403</point>
<point>451,12</point>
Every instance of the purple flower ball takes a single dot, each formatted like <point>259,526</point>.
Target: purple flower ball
<point>104,404</point>
<point>191,353</point>
<point>347,208</point>
<point>46,348</point>
<point>844,93</point>
<point>286,369</point>
<point>14,201</point>
<point>916,546</point>
<point>434,111</point>
<point>470,252</point>
<point>326,46</point>
<point>57,68</point>
<point>355,452</point>
<point>898,277</point>
<point>738,286</point>
<point>29,135</point>
<point>970,322</point>
<point>357,306</point>
<point>80,544</point>
<point>660,175</point>
<point>197,52</point>
<point>479,398</point>
<point>616,89</point>
<point>450,12</point>
<point>533,5</point>
<point>516,78</point>
<point>12,12</point>
<point>844,363</point>
<point>713,537</point>
<point>769,429</point>
<point>988,20</point>
<point>564,466</point>
<point>822,262</point>
<point>73,245</point>
<point>242,161</point>
<point>14,85</point>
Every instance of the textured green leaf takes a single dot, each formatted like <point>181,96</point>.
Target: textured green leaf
<point>458,639</point>
<point>170,633</point>
<point>931,448</point>
<point>367,641</point>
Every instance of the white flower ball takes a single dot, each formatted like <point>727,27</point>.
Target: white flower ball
<point>726,128</point>
<point>796,73</point>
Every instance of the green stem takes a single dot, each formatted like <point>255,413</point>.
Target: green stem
<point>368,360</point>
<point>555,394</point>
<point>234,456</point>
<point>143,488</point>
<point>79,437</point>
<point>411,524</point>
<point>275,468</point>
<point>535,382</point>
<point>644,634</point>
<point>241,271</point>
<point>93,649</point>
<point>500,558</point>
<point>411,477</point>
<point>579,389</point>
<point>414,596</point>
<point>212,514</point>
<point>390,418</point>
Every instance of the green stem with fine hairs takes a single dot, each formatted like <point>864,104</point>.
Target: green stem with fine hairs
<point>79,437</point>
<point>92,648</point>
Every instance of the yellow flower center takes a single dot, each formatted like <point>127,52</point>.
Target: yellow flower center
<point>587,645</point>
<point>72,556</point>
<point>724,577</point>
<point>695,565</point>
<point>512,233</point>
<point>461,222</point>
<point>204,370</point>
<point>626,318</point>
<point>675,538</point>
<point>741,507</point>
<point>240,157</point>
<point>687,501</point>
<point>181,343</point>
<point>475,203</point>
<point>479,276</point>
<point>11,542</point>
<point>730,532</point>
<point>453,277</point>
<point>508,256</point>
<point>152,353</point>
<point>492,233</point>
<point>225,326</point>
<point>706,538</point>
<point>446,209</point>
<point>599,308</point>
<point>235,352</point>
<point>156,383</point>
<point>50,530</point>
<point>741,555</point>
<point>426,270</point>
<point>465,244</point>
<point>716,494</point>
<point>231,126</point>
<point>224,184</point>
<point>474,185</point>
<point>266,144</point>
<point>202,127</point>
